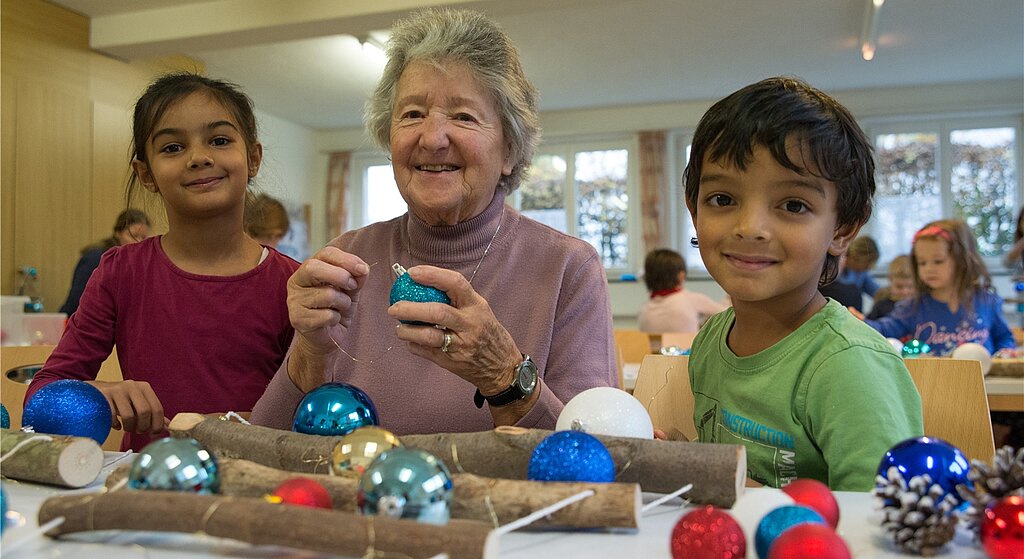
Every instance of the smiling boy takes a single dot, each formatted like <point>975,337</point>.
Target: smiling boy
<point>780,180</point>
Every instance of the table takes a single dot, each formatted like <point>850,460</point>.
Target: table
<point>858,526</point>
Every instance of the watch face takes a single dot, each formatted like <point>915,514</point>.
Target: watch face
<point>527,377</point>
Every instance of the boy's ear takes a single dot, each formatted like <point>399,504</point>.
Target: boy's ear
<point>255,158</point>
<point>145,177</point>
<point>841,240</point>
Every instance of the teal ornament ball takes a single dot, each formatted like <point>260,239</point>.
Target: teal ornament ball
<point>5,417</point>
<point>182,465</point>
<point>571,456</point>
<point>405,289</point>
<point>69,407</point>
<point>778,521</point>
<point>406,483</point>
<point>3,509</point>
<point>915,348</point>
<point>333,410</point>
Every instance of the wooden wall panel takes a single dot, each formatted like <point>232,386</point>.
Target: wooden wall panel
<point>8,91</point>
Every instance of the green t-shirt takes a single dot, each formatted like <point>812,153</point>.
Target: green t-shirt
<point>826,402</point>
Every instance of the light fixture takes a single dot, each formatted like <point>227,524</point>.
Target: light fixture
<point>868,35</point>
<point>373,40</point>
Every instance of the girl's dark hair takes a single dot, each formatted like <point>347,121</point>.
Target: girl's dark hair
<point>970,274</point>
<point>661,269</point>
<point>778,110</point>
<point>124,220</point>
<point>1018,233</point>
<point>171,88</point>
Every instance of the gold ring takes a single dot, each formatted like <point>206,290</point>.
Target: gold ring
<point>447,345</point>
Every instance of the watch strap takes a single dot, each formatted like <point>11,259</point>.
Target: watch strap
<point>507,396</point>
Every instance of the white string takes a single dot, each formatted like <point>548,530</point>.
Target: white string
<point>533,517</point>
<point>10,544</point>
<point>18,446</point>
<point>665,498</point>
<point>440,556</point>
<point>235,416</point>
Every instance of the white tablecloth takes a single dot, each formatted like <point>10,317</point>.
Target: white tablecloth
<point>858,526</point>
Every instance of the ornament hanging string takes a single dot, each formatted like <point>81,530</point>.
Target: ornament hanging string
<point>487,497</point>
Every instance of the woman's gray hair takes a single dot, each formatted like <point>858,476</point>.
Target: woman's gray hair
<point>440,36</point>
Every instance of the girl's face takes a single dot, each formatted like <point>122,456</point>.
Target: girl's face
<point>935,266</point>
<point>198,160</point>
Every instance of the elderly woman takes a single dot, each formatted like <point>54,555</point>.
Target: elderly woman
<point>529,324</point>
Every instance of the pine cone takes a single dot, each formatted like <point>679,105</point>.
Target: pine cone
<point>1004,477</point>
<point>918,515</point>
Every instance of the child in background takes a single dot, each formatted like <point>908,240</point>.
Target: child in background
<point>955,303</point>
<point>199,314</point>
<point>780,180</point>
<point>131,226</point>
<point>671,308</point>
<point>266,221</point>
<point>860,259</point>
<point>901,286</point>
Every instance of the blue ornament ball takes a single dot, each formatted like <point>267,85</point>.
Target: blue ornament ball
<point>405,289</point>
<point>778,521</point>
<point>5,417</point>
<point>334,409</point>
<point>571,456</point>
<point>175,465</point>
<point>406,483</point>
<point>69,407</point>
<point>944,462</point>
<point>3,509</point>
<point>915,348</point>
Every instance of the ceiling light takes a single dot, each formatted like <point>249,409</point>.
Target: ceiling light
<point>373,40</point>
<point>869,33</point>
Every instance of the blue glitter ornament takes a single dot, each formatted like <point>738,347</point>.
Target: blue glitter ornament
<point>3,509</point>
<point>175,465</point>
<point>334,409</point>
<point>915,348</point>
<point>778,521</point>
<point>405,289</point>
<point>571,456</point>
<point>69,407</point>
<point>406,483</point>
<point>5,417</point>
<point>946,465</point>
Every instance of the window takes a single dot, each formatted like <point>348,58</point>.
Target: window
<point>378,198</point>
<point>585,191</point>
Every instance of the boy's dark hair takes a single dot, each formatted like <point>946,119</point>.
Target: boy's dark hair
<point>776,110</point>
<point>661,269</point>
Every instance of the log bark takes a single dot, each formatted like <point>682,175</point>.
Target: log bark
<point>65,461</point>
<point>614,506</point>
<point>257,522</point>
<point>1007,368</point>
<point>717,471</point>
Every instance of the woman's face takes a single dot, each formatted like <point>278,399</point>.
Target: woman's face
<point>448,151</point>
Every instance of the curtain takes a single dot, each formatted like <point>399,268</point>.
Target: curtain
<point>337,186</point>
<point>652,180</point>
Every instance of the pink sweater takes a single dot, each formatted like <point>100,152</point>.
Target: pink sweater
<point>204,343</point>
<point>546,288</point>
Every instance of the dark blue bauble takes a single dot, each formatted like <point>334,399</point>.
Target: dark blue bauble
<point>334,409</point>
<point>778,521</point>
<point>571,456</point>
<point>405,289</point>
<point>5,417</point>
<point>944,462</point>
<point>69,407</point>
<point>406,483</point>
<point>175,465</point>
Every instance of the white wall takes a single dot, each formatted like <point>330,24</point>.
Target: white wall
<point>289,157</point>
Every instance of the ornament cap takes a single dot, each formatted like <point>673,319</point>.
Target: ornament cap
<point>398,269</point>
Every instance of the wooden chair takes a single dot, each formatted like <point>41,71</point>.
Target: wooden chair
<point>632,345</point>
<point>13,392</point>
<point>954,403</point>
<point>682,340</point>
<point>663,387</point>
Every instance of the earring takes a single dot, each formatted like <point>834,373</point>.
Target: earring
<point>693,242</point>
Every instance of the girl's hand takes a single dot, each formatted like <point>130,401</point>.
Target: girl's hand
<point>134,406</point>
<point>856,313</point>
<point>322,294</point>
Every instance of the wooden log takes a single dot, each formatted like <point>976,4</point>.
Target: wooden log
<point>1013,368</point>
<point>717,471</point>
<point>258,522</point>
<point>62,460</point>
<point>613,505</point>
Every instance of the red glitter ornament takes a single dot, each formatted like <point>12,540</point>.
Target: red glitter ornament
<point>809,540</point>
<point>817,496</point>
<point>708,533</point>
<point>302,491</point>
<point>1002,528</point>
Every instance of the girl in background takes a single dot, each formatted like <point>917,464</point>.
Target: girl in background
<point>131,226</point>
<point>199,314</point>
<point>954,303</point>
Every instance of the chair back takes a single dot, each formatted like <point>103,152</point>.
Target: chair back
<point>632,345</point>
<point>955,404</point>
<point>12,391</point>
<point>682,340</point>
<point>663,387</point>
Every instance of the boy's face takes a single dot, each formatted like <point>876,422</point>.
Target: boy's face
<point>764,232</point>
<point>901,288</point>
<point>858,264</point>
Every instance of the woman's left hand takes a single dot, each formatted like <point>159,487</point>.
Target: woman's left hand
<point>480,349</point>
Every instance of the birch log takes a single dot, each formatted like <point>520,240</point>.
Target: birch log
<point>717,471</point>
<point>52,459</point>
<point>613,505</point>
<point>257,522</point>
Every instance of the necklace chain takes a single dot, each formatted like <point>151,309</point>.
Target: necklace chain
<point>488,247</point>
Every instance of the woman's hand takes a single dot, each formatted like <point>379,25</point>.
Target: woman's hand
<point>481,350</point>
<point>322,295</point>
<point>134,406</point>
